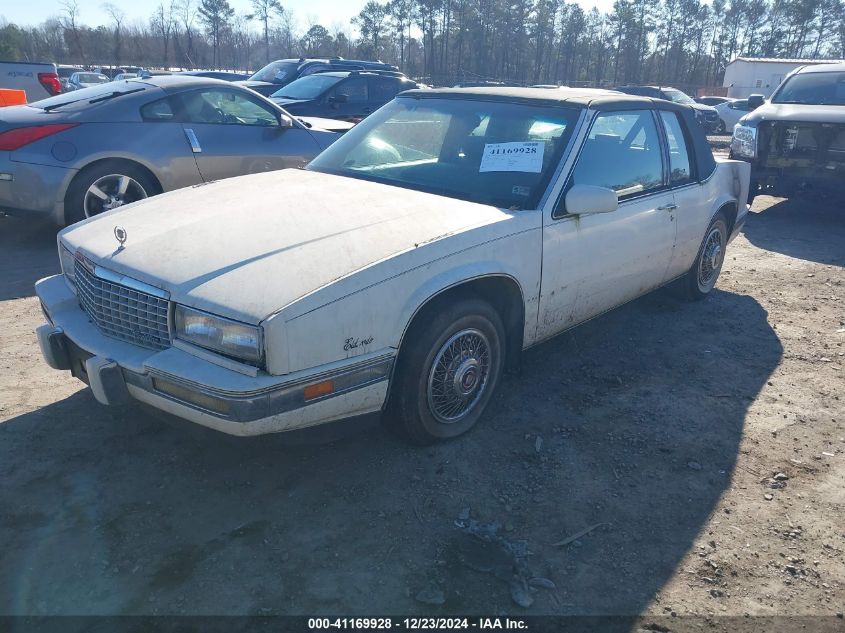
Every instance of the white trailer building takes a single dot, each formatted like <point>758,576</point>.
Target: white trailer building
<point>761,75</point>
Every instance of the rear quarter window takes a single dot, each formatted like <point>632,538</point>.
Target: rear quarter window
<point>158,111</point>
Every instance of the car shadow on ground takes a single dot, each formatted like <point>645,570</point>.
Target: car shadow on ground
<point>27,253</point>
<point>631,422</point>
<point>793,225</point>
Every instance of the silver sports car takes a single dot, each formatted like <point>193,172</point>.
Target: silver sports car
<point>78,154</point>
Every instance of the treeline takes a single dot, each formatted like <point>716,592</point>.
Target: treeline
<point>686,43</point>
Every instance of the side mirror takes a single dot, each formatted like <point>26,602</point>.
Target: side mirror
<point>588,199</point>
<point>755,101</point>
<point>340,98</point>
<point>285,122</point>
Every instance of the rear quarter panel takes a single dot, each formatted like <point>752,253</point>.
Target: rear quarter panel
<point>699,203</point>
<point>160,147</point>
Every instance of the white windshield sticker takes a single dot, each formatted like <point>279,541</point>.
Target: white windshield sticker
<point>523,156</point>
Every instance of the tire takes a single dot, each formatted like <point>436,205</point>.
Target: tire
<point>722,128</point>
<point>701,278</point>
<point>421,412</point>
<point>81,202</point>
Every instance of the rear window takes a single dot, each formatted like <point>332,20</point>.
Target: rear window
<point>277,72</point>
<point>83,96</point>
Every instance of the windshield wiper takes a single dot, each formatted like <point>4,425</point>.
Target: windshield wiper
<point>105,97</point>
<point>53,106</point>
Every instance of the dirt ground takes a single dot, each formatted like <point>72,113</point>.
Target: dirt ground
<point>703,443</point>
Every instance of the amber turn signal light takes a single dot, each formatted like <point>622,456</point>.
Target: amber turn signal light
<point>318,389</point>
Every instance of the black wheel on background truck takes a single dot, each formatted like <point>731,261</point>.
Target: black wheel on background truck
<point>448,372</point>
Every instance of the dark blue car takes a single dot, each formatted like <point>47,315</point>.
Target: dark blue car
<point>346,95</point>
<point>283,71</point>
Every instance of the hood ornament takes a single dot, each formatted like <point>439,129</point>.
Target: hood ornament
<point>120,236</point>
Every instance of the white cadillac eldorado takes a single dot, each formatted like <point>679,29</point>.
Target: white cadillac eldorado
<point>402,271</point>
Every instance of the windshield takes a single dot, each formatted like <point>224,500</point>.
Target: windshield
<point>309,87</point>
<point>91,78</point>
<point>820,88</point>
<point>677,96</point>
<point>483,151</point>
<point>277,72</point>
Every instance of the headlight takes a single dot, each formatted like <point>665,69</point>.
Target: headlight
<point>744,141</point>
<point>231,338</point>
<point>68,262</point>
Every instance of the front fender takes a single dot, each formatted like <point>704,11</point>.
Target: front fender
<point>449,279</point>
<point>376,317</point>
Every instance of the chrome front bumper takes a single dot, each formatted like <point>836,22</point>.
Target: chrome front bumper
<point>172,379</point>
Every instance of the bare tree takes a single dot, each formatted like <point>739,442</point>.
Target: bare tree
<point>69,21</point>
<point>217,16</point>
<point>117,17</point>
<point>264,11</point>
<point>162,24</point>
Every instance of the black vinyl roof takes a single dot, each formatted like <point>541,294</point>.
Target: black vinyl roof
<point>592,98</point>
<point>579,97</point>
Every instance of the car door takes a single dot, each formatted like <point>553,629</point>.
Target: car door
<point>162,140</point>
<point>233,133</point>
<point>593,263</point>
<point>349,99</point>
<point>692,214</point>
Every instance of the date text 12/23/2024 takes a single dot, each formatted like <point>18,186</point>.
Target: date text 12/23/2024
<point>418,623</point>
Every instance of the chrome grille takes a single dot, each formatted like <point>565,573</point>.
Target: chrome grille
<point>122,312</point>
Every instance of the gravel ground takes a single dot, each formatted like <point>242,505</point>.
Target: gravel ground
<point>698,449</point>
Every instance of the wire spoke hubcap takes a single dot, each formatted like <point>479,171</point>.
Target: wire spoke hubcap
<point>458,376</point>
<point>711,259</point>
<point>111,192</point>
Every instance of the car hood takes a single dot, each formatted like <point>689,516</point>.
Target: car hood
<point>283,102</point>
<point>332,125</point>
<point>252,83</point>
<point>701,107</point>
<point>795,112</point>
<point>246,247</point>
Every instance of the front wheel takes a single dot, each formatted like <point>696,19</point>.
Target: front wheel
<point>702,277</point>
<point>448,372</point>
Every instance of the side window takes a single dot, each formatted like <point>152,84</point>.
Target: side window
<point>680,171</point>
<point>158,111</point>
<point>622,152</point>
<point>226,107</point>
<point>355,90</point>
<point>383,89</point>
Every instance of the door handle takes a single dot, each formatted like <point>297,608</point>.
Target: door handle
<point>668,207</point>
<point>196,148</point>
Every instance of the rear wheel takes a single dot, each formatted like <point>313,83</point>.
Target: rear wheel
<point>106,186</point>
<point>448,372</point>
<point>702,277</point>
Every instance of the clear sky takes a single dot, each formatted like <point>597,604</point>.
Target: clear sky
<point>325,12</point>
